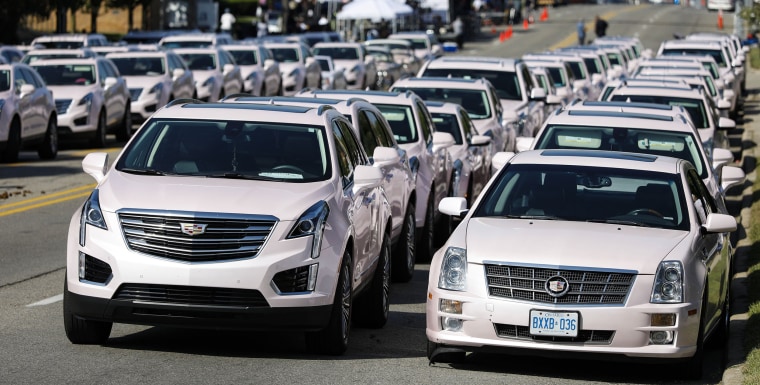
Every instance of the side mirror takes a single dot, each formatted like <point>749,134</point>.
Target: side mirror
<point>384,156</point>
<point>269,62</point>
<point>720,157</point>
<point>524,143</point>
<point>537,94</point>
<point>553,99</point>
<point>726,124</point>
<point>96,164</point>
<point>562,92</point>
<point>454,206</point>
<point>228,68</point>
<point>442,140</point>
<point>719,223</point>
<point>366,177</point>
<point>501,159</point>
<point>731,176</point>
<point>110,81</point>
<point>597,78</point>
<point>724,104</point>
<point>177,73</point>
<point>26,89</point>
<point>480,140</point>
<point>579,84</point>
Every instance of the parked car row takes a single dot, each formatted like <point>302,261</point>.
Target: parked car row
<point>554,223</point>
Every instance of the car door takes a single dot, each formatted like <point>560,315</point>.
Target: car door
<point>313,70</point>
<point>480,165</point>
<point>233,80</point>
<point>26,104</point>
<point>271,72</point>
<point>713,249</point>
<point>439,160</point>
<point>44,103</point>
<point>183,86</point>
<point>363,208</point>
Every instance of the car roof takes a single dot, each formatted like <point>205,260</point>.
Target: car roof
<point>132,54</point>
<point>600,159</point>
<point>475,62</point>
<point>386,97</point>
<point>435,106</point>
<point>448,82</point>
<point>624,114</point>
<point>80,60</point>
<point>193,109</point>
<point>655,90</point>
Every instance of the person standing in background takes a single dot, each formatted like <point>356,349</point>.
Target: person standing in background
<point>600,26</point>
<point>226,21</point>
<point>458,27</point>
<point>581,30</point>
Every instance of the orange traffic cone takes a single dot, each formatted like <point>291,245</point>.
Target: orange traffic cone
<point>502,36</point>
<point>720,19</point>
<point>544,14</point>
<point>509,32</point>
<point>525,24</point>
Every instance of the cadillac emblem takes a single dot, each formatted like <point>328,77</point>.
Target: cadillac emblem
<point>192,229</point>
<point>557,286</point>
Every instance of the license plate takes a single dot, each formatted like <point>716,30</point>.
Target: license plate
<point>553,323</point>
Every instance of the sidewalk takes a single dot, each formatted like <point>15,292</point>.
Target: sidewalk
<point>750,124</point>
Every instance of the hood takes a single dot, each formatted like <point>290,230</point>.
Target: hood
<point>347,64</point>
<point>286,201</point>
<point>73,92</point>
<point>562,243</point>
<point>143,81</point>
<point>286,68</point>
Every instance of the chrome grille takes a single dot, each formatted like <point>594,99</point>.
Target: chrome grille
<point>523,332</point>
<point>191,295</point>
<point>224,238</point>
<point>586,287</point>
<point>62,105</point>
<point>134,93</point>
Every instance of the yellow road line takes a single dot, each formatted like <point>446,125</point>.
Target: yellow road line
<point>572,39</point>
<point>29,204</point>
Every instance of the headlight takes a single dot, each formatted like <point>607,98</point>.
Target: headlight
<point>312,222</point>
<point>86,100</point>
<point>454,270</point>
<point>293,73</point>
<point>2,104</point>
<point>91,215</point>
<point>668,283</point>
<point>209,82</point>
<point>355,68</point>
<point>156,89</point>
<point>251,76</point>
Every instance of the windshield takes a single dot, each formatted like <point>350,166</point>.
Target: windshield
<point>244,58</point>
<point>199,61</point>
<point>587,194</point>
<point>187,44</point>
<point>578,71</point>
<point>506,83</point>
<point>338,53</point>
<point>558,76</point>
<point>401,120</point>
<point>140,66</point>
<point>695,107</point>
<point>656,142</point>
<point>324,64</point>
<point>285,55</point>
<point>232,149</point>
<point>31,58</point>
<point>715,53</point>
<point>67,74</point>
<point>475,102</point>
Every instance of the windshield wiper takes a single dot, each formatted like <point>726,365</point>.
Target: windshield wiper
<point>618,222</point>
<point>235,175</point>
<point>142,171</point>
<point>547,217</point>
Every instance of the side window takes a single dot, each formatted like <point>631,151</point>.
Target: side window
<point>467,126</point>
<point>112,69</point>
<point>352,143</point>
<point>344,159</point>
<point>366,135</point>
<point>703,202</point>
<point>381,130</point>
<point>222,58</point>
<point>527,79</point>
<point>31,78</point>
<point>426,123</point>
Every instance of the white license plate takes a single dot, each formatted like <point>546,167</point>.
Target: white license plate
<point>553,323</point>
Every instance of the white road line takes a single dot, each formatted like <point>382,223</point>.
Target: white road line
<point>47,301</point>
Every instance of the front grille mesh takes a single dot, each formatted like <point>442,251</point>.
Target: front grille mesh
<point>586,287</point>
<point>191,295</point>
<point>293,280</point>
<point>96,270</point>
<point>223,238</point>
<point>523,332</point>
<point>62,105</point>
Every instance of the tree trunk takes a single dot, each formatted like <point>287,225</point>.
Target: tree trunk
<point>131,18</point>
<point>60,20</point>
<point>94,10</point>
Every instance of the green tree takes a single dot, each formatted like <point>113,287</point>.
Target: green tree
<point>130,6</point>
<point>13,14</point>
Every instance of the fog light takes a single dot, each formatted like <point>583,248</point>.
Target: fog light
<point>451,324</point>
<point>81,265</point>
<point>668,319</point>
<point>450,306</point>
<point>661,337</point>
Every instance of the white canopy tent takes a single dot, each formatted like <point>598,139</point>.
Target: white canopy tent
<point>361,13</point>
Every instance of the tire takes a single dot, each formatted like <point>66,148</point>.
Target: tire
<point>333,339</point>
<point>48,149</point>
<point>13,145</point>
<point>426,241</point>
<point>404,257</point>
<point>99,140</point>
<point>81,331</point>
<point>372,307</point>
<point>719,336</point>
<point>125,127</point>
